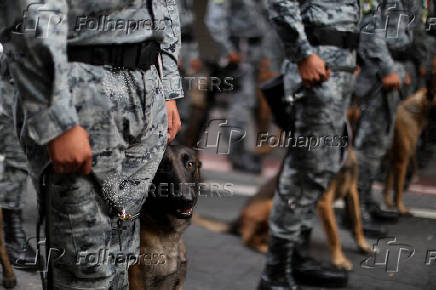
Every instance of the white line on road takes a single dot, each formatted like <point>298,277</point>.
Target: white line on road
<point>250,190</point>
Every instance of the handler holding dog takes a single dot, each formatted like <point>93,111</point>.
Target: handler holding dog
<point>94,120</point>
<point>380,87</point>
<point>314,32</point>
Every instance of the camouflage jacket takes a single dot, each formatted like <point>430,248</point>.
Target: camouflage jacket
<point>37,35</point>
<point>385,30</point>
<point>233,18</point>
<point>187,16</point>
<point>292,17</point>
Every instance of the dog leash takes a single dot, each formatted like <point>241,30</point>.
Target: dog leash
<point>121,214</point>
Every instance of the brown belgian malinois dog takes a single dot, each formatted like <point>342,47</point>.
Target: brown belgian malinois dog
<point>164,217</point>
<point>252,224</point>
<point>9,280</point>
<point>411,119</point>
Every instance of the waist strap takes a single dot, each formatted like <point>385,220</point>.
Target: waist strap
<point>326,36</point>
<point>138,56</point>
<point>401,55</point>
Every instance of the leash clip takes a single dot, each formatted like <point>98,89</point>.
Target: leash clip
<point>124,216</point>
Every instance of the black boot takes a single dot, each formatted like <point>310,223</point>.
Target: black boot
<point>244,160</point>
<point>382,216</point>
<point>277,274</point>
<point>308,271</point>
<point>21,254</point>
<point>370,228</point>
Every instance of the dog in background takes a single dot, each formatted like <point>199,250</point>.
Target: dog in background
<point>164,217</point>
<point>9,280</point>
<point>252,224</point>
<point>411,119</point>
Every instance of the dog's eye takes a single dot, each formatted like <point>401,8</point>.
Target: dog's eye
<point>189,164</point>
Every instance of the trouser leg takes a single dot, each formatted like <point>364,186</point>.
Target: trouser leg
<point>306,173</point>
<point>373,140</point>
<point>125,115</point>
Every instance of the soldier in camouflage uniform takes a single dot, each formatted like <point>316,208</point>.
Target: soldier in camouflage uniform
<point>236,26</point>
<point>194,107</point>
<point>93,105</point>
<point>383,65</point>
<point>314,33</point>
<point>14,178</point>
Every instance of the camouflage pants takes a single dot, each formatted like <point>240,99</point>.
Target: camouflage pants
<point>374,137</point>
<point>306,172</point>
<point>124,113</point>
<point>14,178</point>
<point>243,102</point>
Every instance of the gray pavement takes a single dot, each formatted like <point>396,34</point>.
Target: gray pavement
<point>221,262</point>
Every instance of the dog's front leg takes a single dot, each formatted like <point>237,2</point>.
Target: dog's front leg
<point>9,280</point>
<point>388,186</point>
<point>353,205</point>
<point>400,175</point>
<point>327,217</point>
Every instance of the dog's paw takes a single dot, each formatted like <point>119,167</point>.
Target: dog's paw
<point>389,203</point>
<point>343,263</point>
<point>365,248</point>
<point>263,249</point>
<point>403,210</point>
<point>9,283</point>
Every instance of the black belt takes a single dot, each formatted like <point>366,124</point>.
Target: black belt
<point>137,56</point>
<point>401,55</point>
<point>326,36</point>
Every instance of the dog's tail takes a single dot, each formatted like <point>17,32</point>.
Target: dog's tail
<point>216,225</point>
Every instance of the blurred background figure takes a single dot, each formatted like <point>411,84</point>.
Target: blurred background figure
<point>13,182</point>
<point>193,108</point>
<point>383,82</point>
<point>237,27</point>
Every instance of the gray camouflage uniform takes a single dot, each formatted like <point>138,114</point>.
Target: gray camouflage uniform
<point>376,124</point>
<point>320,111</point>
<point>236,26</point>
<point>188,53</point>
<point>431,27</point>
<point>14,178</point>
<point>123,111</point>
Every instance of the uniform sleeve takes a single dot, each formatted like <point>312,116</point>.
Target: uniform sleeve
<point>170,52</point>
<point>217,21</point>
<point>286,16</point>
<point>373,46</point>
<point>40,71</point>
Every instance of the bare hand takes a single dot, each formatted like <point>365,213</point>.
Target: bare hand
<point>234,58</point>
<point>313,71</point>
<point>422,71</point>
<point>408,79</point>
<point>196,65</point>
<point>71,152</point>
<point>392,81</point>
<point>433,65</point>
<point>174,123</point>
